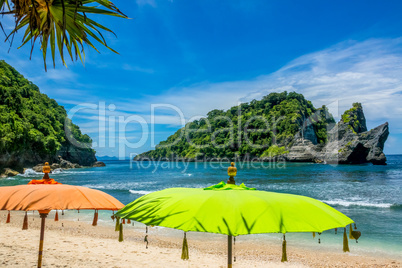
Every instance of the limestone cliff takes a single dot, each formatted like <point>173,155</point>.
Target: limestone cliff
<point>349,142</point>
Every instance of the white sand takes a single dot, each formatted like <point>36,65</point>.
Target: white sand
<point>78,244</point>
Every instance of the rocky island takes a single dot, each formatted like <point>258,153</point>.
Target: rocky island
<point>281,126</point>
<point>348,142</point>
<point>34,129</point>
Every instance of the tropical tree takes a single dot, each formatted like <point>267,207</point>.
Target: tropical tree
<point>64,23</point>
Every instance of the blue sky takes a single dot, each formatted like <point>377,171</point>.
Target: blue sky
<point>202,55</point>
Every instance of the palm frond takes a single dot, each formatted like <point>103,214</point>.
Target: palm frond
<point>62,23</point>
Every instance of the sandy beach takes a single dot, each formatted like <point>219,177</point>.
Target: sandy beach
<point>79,244</point>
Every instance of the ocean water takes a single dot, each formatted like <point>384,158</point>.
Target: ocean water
<point>370,195</point>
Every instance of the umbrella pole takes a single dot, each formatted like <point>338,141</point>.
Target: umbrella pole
<point>230,238</point>
<point>42,236</point>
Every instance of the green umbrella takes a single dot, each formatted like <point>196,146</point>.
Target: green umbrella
<point>233,210</point>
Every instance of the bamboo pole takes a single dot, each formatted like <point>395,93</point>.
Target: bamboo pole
<point>42,236</point>
<point>230,238</point>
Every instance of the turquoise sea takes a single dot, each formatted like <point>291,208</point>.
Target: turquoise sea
<point>370,195</point>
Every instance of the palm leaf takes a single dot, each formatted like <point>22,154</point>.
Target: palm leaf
<point>62,23</point>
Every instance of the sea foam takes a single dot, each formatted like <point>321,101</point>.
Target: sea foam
<point>140,192</point>
<point>357,203</point>
<point>29,172</point>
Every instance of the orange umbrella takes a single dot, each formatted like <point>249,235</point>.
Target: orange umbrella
<point>55,196</point>
<point>46,195</point>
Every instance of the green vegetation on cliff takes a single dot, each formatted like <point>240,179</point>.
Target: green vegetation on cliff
<point>30,120</point>
<point>258,129</point>
<point>354,118</point>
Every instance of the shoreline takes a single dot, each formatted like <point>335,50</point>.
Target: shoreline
<point>71,243</point>
<point>9,172</point>
<point>273,160</point>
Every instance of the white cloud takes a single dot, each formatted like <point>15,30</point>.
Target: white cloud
<point>129,67</point>
<point>369,72</point>
<point>146,2</point>
<point>57,75</point>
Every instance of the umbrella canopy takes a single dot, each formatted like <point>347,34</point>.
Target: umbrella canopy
<point>55,196</point>
<point>233,210</point>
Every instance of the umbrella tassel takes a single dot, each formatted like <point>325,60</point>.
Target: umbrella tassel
<point>184,249</point>
<point>56,216</point>
<point>284,255</point>
<point>313,234</point>
<point>124,221</point>
<point>25,224</point>
<point>95,221</point>
<point>146,237</point>
<point>121,232</point>
<point>62,213</point>
<point>345,241</point>
<point>113,216</point>
<point>117,227</point>
<point>234,249</point>
<point>128,221</point>
<point>8,217</point>
<point>350,232</point>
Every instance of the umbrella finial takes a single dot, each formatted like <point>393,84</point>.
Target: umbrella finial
<point>232,171</point>
<point>46,169</point>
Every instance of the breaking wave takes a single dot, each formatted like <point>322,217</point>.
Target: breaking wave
<point>29,172</point>
<point>57,171</point>
<point>140,192</point>
<point>359,204</point>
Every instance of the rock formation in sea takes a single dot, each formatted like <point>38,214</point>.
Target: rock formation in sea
<point>349,142</point>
